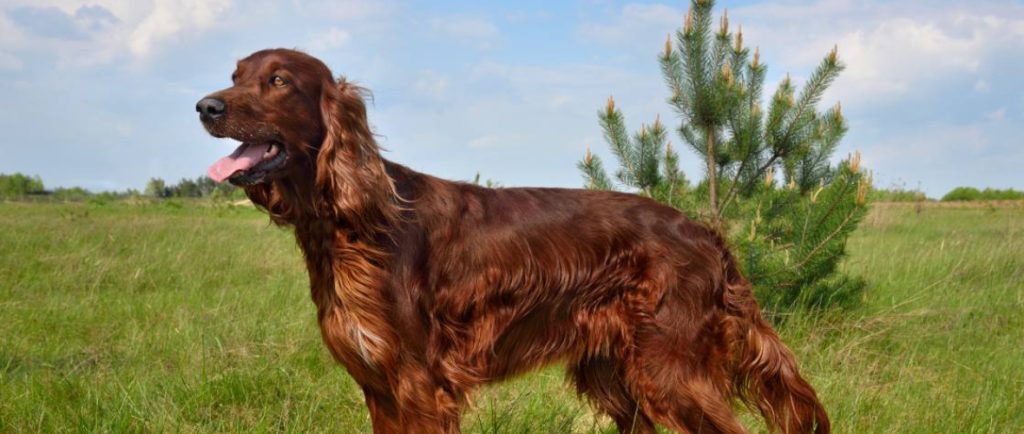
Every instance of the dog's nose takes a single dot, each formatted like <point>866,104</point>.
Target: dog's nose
<point>211,108</point>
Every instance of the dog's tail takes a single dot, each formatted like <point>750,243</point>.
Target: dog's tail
<point>765,373</point>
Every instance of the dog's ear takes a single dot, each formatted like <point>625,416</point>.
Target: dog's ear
<point>350,172</point>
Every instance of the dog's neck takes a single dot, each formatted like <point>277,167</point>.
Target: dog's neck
<point>298,201</point>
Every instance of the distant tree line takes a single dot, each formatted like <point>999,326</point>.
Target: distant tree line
<point>18,185</point>
<point>959,194</point>
<point>200,187</point>
<point>897,193</point>
<point>970,194</point>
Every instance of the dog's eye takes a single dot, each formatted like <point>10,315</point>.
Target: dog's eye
<point>277,81</point>
<point>234,77</point>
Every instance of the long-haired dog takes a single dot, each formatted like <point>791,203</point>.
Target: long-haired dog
<point>426,289</point>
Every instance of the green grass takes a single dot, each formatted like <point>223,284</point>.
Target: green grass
<point>192,319</point>
<point>939,344</point>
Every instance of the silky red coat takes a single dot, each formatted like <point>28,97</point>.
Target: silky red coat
<point>426,289</point>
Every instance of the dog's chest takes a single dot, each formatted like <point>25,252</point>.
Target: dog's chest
<point>351,344</point>
<point>345,285</point>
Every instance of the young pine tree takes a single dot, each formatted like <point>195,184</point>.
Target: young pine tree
<point>769,185</point>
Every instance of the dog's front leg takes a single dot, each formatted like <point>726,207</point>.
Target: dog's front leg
<point>426,405</point>
<point>415,404</point>
<point>383,412</point>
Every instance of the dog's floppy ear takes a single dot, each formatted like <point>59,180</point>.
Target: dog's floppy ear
<point>350,172</point>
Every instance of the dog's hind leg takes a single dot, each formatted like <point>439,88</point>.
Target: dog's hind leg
<point>678,366</point>
<point>601,380</point>
<point>681,389</point>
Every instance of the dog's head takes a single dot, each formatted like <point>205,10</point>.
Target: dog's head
<point>297,123</point>
<point>285,108</point>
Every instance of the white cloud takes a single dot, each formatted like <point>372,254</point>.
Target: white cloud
<point>89,33</point>
<point>484,142</point>
<point>573,89</point>
<point>127,10</point>
<point>637,25</point>
<point>79,35</point>
<point>10,36</point>
<point>123,129</point>
<point>565,75</point>
<point>172,19</point>
<point>982,86</point>
<point>891,49</point>
<point>330,39</point>
<point>431,84</point>
<point>898,56</point>
<point>523,16</point>
<point>469,30</point>
<point>346,10</point>
<point>10,62</point>
<point>996,115</point>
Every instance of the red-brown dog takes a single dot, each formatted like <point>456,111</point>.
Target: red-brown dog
<point>426,288</point>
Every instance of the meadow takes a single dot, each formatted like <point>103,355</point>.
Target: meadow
<point>176,317</point>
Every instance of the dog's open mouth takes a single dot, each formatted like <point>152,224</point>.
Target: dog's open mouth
<point>249,164</point>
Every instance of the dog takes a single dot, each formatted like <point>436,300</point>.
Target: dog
<point>426,289</point>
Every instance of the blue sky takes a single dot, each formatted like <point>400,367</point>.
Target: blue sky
<point>101,93</point>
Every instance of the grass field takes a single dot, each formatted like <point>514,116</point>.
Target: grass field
<point>190,319</point>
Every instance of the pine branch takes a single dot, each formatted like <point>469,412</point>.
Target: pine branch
<point>748,132</point>
<point>712,177</point>
<point>614,126</point>
<point>810,255</point>
<point>672,173</point>
<point>834,204</point>
<point>593,172</point>
<point>815,87</point>
<point>697,62</point>
<point>671,69</point>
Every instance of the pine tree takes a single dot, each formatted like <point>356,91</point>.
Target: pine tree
<point>789,237</point>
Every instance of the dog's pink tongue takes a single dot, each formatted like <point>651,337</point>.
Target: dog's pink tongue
<point>243,158</point>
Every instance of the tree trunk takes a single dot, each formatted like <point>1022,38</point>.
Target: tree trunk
<point>712,176</point>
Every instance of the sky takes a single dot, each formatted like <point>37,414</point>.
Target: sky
<point>101,93</point>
